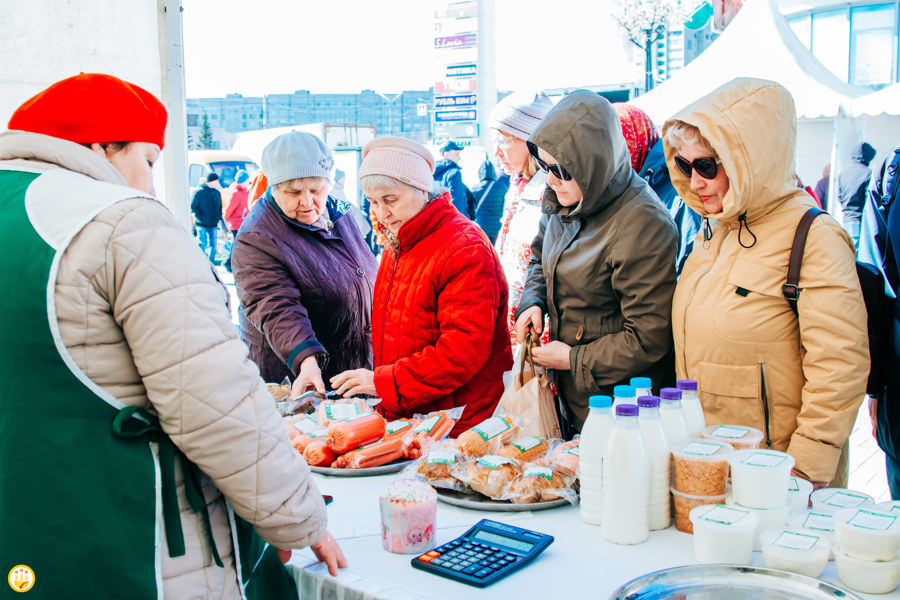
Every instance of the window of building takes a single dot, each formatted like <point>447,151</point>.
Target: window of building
<point>192,121</point>
<point>871,45</point>
<point>831,41</point>
<point>802,28</point>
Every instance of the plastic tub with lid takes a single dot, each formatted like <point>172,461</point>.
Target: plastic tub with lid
<point>742,438</point>
<point>723,534</point>
<point>797,550</point>
<point>867,576</point>
<point>799,490</point>
<point>701,466</point>
<point>768,518</point>
<point>867,534</point>
<point>759,478</point>
<point>685,503</point>
<point>831,500</point>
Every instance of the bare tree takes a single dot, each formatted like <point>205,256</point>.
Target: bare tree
<point>645,22</point>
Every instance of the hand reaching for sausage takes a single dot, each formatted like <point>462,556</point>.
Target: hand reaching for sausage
<point>309,377</point>
<point>354,383</point>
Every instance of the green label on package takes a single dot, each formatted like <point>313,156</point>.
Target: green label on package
<point>819,522</point>
<point>701,449</point>
<point>527,443</point>
<point>491,428</point>
<point>725,515</point>
<point>764,459</point>
<point>494,462</point>
<point>395,426</point>
<point>730,432</point>
<point>544,472</point>
<point>307,425</point>
<point>342,411</point>
<point>427,425</point>
<point>865,519</point>
<point>793,485</point>
<point>574,451</point>
<point>844,500</point>
<point>796,541</point>
<point>446,457</point>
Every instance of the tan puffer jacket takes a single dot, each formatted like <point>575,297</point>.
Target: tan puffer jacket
<point>800,382</point>
<point>145,317</point>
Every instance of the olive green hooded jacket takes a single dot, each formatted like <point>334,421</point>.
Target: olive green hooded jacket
<point>604,269</point>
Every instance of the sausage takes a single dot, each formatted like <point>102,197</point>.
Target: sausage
<point>318,454</point>
<point>399,428</point>
<point>344,436</point>
<point>339,410</point>
<point>432,428</point>
<point>373,455</point>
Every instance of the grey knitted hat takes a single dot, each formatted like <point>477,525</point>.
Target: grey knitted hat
<point>520,113</point>
<point>295,155</point>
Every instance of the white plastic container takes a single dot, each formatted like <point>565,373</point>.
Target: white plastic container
<point>623,394</point>
<point>768,518</point>
<point>889,506</point>
<point>723,534</point>
<point>759,478</point>
<point>738,436</point>
<point>693,410</point>
<point>815,522</point>
<point>626,481</point>
<point>642,386</point>
<point>831,500</point>
<point>683,504</point>
<point>659,504</point>
<point>796,550</point>
<point>701,466</point>
<point>594,437</point>
<point>867,577</point>
<point>673,417</point>
<point>799,490</point>
<point>867,534</point>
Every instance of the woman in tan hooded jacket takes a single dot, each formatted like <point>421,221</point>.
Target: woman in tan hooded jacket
<point>799,380</point>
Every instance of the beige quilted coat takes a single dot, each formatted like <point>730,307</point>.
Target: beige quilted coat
<point>799,381</point>
<point>145,317</point>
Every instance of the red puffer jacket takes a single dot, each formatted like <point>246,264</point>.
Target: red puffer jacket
<point>439,319</point>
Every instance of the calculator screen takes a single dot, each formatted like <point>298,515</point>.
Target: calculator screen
<point>486,536</point>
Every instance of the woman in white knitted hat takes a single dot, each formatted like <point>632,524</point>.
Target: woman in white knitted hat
<point>439,313</point>
<point>512,121</point>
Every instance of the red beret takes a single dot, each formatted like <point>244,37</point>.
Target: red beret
<point>92,107</point>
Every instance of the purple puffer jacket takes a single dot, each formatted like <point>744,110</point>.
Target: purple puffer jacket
<point>303,291</point>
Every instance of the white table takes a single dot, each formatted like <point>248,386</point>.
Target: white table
<point>578,563</point>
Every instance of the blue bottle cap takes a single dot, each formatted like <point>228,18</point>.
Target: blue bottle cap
<point>624,391</point>
<point>641,382</point>
<point>600,401</point>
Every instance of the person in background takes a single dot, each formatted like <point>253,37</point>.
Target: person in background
<point>649,161</point>
<point>821,188</point>
<point>602,263</point>
<point>853,183</point>
<point>236,210</point>
<point>449,175</point>
<point>439,316</point>
<point>337,192</point>
<point>489,196</point>
<point>512,121</point>
<point>258,186</point>
<point>798,379</point>
<point>207,209</point>
<point>135,401</point>
<point>302,272</point>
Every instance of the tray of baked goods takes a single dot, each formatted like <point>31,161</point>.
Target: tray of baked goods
<point>496,466</point>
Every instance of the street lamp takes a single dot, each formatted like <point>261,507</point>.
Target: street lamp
<point>391,110</point>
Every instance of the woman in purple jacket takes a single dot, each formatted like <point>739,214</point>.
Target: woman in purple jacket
<point>303,273</point>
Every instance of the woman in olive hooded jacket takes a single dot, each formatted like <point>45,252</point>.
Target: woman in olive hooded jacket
<point>800,381</point>
<point>603,265</point>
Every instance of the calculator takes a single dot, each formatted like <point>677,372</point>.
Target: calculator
<point>484,554</point>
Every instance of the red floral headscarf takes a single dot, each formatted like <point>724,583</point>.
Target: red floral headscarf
<point>639,131</point>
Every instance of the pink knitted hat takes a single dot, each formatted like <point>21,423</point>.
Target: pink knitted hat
<point>402,159</point>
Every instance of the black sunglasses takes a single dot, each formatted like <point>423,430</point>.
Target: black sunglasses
<point>707,167</point>
<point>558,170</point>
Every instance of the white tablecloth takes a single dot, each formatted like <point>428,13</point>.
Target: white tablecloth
<point>579,563</point>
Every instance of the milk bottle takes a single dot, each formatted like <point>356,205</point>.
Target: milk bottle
<point>626,481</point>
<point>690,403</point>
<point>623,394</point>
<point>594,436</point>
<point>673,417</point>
<point>642,386</point>
<point>657,445</point>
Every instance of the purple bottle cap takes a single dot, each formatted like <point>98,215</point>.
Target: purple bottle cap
<point>670,394</point>
<point>686,384</point>
<point>626,410</point>
<point>648,401</point>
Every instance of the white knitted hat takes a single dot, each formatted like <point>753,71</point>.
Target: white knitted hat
<point>519,113</point>
<point>295,155</point>
<point>402,159</point>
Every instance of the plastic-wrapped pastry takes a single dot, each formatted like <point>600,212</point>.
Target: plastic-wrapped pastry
<point>525,449</point>
<point>488,436</point>
<point>437,465</point>
<point>537,484</point>
<point>408,514</point>
<point>491,475</point>
<point>279,392</point>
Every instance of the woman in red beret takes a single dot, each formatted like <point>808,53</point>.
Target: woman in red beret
<point>125,444</point>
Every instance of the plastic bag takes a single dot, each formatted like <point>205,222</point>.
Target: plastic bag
<point>431,428</point>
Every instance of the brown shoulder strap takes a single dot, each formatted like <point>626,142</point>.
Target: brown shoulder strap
<point>791,288</point>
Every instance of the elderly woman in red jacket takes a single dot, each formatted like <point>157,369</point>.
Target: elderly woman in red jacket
<point>439,313</point>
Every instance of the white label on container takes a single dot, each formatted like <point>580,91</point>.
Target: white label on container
<point>793,485</point>
<point>447,457</point>
<point>574,451</point>
<point>725,515</point>
<point>427,425</point>
<point>538,472</point>
<point>493,462</point>
<point>527,443</point>
<point>701,449</point>
<point>762,459</point>
<point>844,500</point>
<point>797,541</point>
<point>732,433</point>
<point>395,426</point>
<point>307,425</point>
<point>895,509</point>
<point>491,428</point>
<point>869,520</point>
<point>819,522</point>
<point>342,411</point>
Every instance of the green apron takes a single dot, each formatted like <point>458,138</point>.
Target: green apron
<point>83,490</point>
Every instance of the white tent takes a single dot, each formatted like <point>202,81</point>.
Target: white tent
<point>884,101</point>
